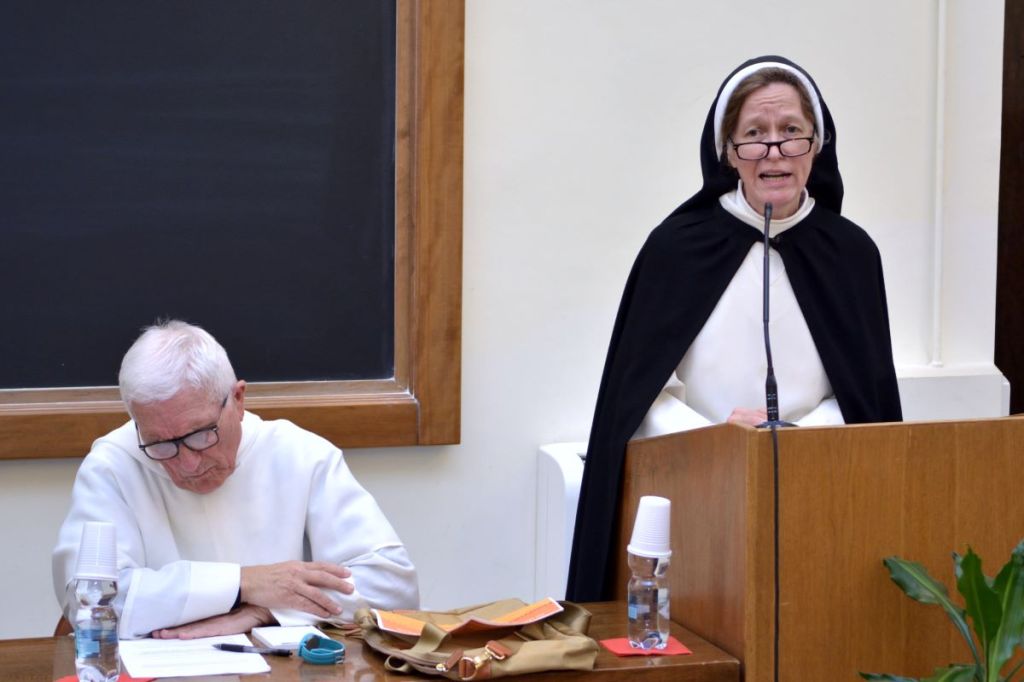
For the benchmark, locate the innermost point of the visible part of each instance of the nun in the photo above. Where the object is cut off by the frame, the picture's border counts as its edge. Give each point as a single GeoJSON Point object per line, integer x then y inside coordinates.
{"type": "Point", "coordinates": [687, 348]}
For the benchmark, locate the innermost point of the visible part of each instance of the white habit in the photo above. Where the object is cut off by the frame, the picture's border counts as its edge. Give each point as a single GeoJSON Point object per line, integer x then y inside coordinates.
{"type": "Point", "coordinates": [291, 497]}
{"type": "Point", "coordinates": [725, 366]}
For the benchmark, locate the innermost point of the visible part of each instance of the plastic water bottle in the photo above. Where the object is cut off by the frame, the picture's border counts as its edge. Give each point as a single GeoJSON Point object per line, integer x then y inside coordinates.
{"type": "Point", "coordinates": [647, 603]}
{"type": "Point", "coordinates": [96, 651]}
{"type": "Point", "coordinates": [647, 597]}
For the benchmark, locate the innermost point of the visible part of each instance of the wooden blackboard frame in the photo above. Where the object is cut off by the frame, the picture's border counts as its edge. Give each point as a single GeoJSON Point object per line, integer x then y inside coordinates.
{"type": "Point", "coordinates": [421, 404]}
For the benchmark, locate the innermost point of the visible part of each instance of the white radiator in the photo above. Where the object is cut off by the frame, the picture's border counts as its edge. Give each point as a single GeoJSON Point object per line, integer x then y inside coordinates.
{"type": "Point", "coordinates": [559, 473]}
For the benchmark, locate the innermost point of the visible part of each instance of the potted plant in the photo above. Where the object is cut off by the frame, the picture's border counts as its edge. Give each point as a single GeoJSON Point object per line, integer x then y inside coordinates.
{"type": "Point", "coordinates": [995, 607]}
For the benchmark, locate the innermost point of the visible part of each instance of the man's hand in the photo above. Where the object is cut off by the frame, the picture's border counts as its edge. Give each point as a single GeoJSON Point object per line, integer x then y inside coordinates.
{"type": "Point", "coordinates": [242, 619]}
{"type": "Point", "coordinates": [750, 417]}
{"type": "Point", "coordinates": [296, 585]}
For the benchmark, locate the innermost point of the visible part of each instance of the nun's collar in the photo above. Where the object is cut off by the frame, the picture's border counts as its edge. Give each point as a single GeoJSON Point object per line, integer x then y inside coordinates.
{"type": "Point", "coordinates": [736, 204]}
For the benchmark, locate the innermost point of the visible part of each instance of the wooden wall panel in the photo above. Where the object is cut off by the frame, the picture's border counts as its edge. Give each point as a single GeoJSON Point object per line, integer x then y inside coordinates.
{"type": "Point", "coordinates": [853, 495]}
{"type": "Point", "coordinates": [848, 497]}
{"type": "Point", "coordinates": [720, 575]}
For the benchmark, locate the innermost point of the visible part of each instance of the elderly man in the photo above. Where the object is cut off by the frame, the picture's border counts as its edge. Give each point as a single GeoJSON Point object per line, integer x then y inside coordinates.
{"type": "Point", "coordinates": [225, 521]}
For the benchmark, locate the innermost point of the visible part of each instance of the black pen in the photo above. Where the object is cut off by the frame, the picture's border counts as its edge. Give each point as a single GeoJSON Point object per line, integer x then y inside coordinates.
{"type": "Point", "coordinates": [243, 649]}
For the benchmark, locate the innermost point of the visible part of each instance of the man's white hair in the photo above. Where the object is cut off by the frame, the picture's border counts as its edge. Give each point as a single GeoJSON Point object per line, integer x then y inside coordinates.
{"type": "Point", "coordinates": [172, 356]}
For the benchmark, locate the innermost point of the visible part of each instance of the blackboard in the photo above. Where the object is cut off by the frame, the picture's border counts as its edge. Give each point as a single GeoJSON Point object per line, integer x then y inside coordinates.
{"type": "Point", "coordinates": [228, 162]}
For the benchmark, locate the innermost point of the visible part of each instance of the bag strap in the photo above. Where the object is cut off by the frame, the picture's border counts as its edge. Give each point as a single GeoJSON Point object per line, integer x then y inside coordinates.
{"type": "Point", "coordinates": [457, 665]}
{"type": "Point", "coordinates": [405, 660]}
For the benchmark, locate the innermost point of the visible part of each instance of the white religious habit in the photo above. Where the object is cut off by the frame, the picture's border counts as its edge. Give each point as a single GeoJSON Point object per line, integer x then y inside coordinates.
{"type": "Point", "coordinates": [725, 366]}
{"type": "Point", "coordinates": [291, 497]}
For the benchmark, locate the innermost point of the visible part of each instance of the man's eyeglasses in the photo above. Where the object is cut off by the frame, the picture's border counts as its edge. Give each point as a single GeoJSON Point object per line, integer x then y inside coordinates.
{"type": "Point", "coordinates": [755, 151]}
{"type": "Point", "coordinates": [197, 441]}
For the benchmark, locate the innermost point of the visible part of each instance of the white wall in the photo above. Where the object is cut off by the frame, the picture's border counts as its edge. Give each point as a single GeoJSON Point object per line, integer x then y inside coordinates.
{"type": "Point", "coordinates": [582, 127]}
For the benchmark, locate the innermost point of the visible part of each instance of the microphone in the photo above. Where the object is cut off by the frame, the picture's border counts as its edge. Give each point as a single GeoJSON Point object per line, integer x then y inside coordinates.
{"type": "Point", "coordinates": [771, 388]}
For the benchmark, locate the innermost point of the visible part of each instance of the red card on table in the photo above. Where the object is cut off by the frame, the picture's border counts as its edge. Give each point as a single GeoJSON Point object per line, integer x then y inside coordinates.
{"type": "Point", "coordinates": [621, 647]}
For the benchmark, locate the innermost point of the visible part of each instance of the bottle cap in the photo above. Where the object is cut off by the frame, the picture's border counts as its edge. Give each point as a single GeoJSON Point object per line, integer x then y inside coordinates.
{"type": "Point", "coordinates": [97, 555]}
{"type": "Point", "coordinates": [651, 529]}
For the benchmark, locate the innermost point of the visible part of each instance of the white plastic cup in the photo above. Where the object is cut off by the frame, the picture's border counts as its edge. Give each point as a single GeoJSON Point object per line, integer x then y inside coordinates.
{"type": "Point", "coordinates": [97, 555]}
{"type": "Point", "coordinates": [651, 529]}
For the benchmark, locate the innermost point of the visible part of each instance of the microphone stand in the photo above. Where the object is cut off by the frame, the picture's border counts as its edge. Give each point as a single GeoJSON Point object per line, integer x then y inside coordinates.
{"type": "Point", "coordinates": [771, 391]}
{"type": "Point", "coordinates": [771, 388]}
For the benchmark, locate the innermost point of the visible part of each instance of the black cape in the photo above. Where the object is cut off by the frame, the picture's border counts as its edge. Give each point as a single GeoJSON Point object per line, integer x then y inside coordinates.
{"type": "Point", "coordinates": [676, 281]}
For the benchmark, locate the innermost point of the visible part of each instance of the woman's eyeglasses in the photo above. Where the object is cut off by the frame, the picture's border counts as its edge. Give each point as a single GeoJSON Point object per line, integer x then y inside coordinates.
{"type": "Point", "coordinates": [755, 151]}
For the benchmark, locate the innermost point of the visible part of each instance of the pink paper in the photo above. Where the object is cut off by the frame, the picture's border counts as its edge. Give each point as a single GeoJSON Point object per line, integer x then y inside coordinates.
{"type": "Point", "coordinates": [620, 647]}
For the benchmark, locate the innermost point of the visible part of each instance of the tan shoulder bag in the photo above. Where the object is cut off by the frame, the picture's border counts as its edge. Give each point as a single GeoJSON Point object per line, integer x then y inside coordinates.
{"type": "Point", "coordinates": [501, 638]}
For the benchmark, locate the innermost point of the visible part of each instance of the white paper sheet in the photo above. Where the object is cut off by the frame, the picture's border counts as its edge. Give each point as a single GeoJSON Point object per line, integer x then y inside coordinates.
{"type": "Point", "coordinates": [283, 637]}
{"type": "Point", "coordinates": [188, 657]}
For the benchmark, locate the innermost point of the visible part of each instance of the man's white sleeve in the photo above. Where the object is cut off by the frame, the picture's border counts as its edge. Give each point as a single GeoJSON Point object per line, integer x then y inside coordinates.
{"type": "Point", "coordinates": [346, 526]}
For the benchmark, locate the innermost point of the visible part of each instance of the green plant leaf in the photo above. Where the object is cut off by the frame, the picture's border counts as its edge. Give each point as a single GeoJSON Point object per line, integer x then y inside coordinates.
{"type": "Point", "coordinates": [958, 571]}
{"type": "Point", "coordinates": [913, 579]}
{"type": "Point", "coordinates": [1009, 587]}
{"type": "Point", "coordinates": [984, 608]}
{"type": "Point", "coordinates": [954, 673]}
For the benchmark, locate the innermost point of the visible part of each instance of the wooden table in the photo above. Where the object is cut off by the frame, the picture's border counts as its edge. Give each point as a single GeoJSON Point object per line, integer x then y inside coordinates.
{"type": "Point", "coordinates": [47, 659]}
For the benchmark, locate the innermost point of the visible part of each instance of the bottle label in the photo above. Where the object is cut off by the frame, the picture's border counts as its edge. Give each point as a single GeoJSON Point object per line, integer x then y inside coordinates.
{"type": "Point", "coordinates": [635, 610]}
{"type": "Point", "coordinates": [86, 646]}
{"type": "Point", "coordinates": [89, 641]}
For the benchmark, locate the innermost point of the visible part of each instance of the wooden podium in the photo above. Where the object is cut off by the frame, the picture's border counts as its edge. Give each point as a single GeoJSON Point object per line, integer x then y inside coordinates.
{"type": "Point", "coordinates": [848, 496]}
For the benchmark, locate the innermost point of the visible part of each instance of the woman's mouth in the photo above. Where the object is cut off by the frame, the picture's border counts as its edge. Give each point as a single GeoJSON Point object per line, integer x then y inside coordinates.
{"type": "Point", "coordinates": [773, 176]}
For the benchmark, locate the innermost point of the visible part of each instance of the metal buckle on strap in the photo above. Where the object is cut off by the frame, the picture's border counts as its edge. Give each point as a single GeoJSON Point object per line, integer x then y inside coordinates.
{"type": "Point", "coordinates": [450, 662]}
{"type": "Point", "coordinates": [470, 667]}
{"type": "Point", "coordinates": [498, 651]}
